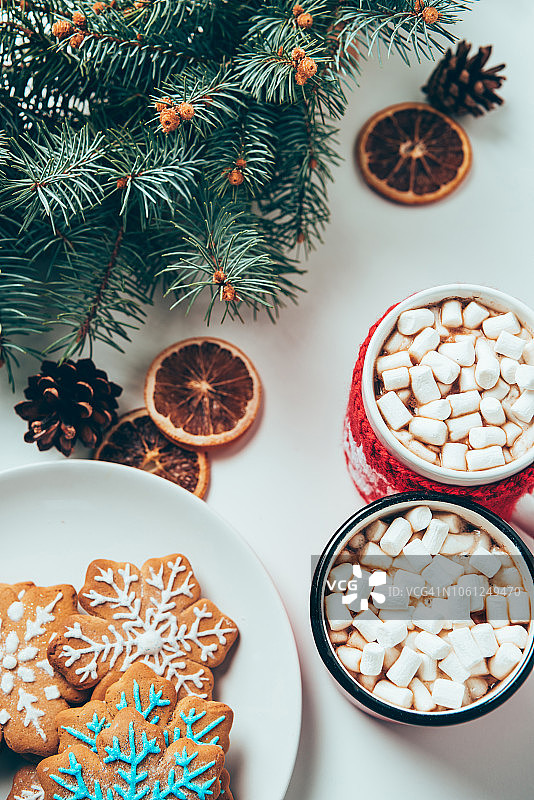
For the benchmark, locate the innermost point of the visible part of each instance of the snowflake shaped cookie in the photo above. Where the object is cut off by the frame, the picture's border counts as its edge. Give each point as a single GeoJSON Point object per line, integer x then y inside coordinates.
{"type": "Point", "coordinates": [132, 761]}
{"type": "Point", "coordinates": [31, 691]}
{"type": "Point", "coordinates": [153, 615]}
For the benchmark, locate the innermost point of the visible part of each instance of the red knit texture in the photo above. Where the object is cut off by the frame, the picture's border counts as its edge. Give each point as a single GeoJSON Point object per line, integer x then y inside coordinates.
{"type": "Point", "coordinates": [392, 476]}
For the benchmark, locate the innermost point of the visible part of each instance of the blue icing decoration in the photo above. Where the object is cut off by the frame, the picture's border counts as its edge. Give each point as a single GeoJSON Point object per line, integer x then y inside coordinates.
{"type": "Point", "coordinates": [200, 736]}
{"type": "Point", "coordinates": [131, 776]}
{"type": "Point", "coordinates": [155, 701]}
{"type": "Point", "coordinates": [95, 726]}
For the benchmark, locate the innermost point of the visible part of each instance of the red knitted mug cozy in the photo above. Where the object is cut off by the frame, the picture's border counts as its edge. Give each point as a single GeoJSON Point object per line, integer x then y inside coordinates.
{"type": "Point", "coordinates": [376, 473]}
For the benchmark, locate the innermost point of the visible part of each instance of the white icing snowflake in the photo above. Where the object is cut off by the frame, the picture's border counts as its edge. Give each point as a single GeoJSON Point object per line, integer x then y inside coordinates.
{"type": "Point", "coordinates": [27, 681]}
{"type": "Point", "coordinates": [35, 792]}
{"type": "Point", "coordinates": [151, 615]}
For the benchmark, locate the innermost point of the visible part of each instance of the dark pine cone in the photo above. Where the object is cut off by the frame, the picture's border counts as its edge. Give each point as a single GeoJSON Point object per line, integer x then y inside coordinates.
{"type": "Point", "coordinates": [66, 402]}
{"type": "Point", "coordinates": [460, 85]}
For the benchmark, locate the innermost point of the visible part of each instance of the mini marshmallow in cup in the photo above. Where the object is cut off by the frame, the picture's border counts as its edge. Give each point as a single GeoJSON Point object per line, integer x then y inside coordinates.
{"type": "Point", "coordinates": [433, 656]}
{"type": "Point", "coordinates": [470, 366]}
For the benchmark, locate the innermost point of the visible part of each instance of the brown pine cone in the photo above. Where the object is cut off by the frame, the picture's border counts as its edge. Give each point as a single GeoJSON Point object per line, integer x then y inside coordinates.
{"type": "Point", "coordinates": [228, 293]}
{"type": "Point", "coordinates": [76, 40]}
{"type": "Point", "coordinates": [219, 276]}
{"type": "Point", "coordinates": [79, 19]}
{"type": "Point", "coordinates": [66, 402]}
{"type": "Point", "coordinates": [307, 67]}
{"type": "Point", "coordinates": [235, 177]}
{"type": "Point", "coordinates": [430, 15]}
{"type": "Point", "coordinates": [305, 21]}
{"type": "Point", "coordinates": [99, 7]}
{"type": "Point", "coordinates": [461, 85]}
{"type": "Point", "coordinates": [62, 28]}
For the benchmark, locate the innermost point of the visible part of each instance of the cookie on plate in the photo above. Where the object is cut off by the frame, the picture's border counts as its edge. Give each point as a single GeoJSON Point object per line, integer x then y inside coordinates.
{"type": "Point", "coordinates": [153, 615]}
{"type": "Point", "coordinates": [27, 786]}
{"type": "Point", "coordinates": [131, 759]}
{"type": "Point", "coordinates": [31, 691]}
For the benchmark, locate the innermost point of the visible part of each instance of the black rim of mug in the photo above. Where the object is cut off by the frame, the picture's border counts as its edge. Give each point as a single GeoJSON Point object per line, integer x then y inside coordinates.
{"type": "Point", "coordinates": [361, 695]}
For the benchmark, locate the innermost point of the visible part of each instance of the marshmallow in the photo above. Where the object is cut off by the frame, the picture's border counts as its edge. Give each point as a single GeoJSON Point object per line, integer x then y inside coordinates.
{"type": "Point", "coordinates": [375, 531]}
{"type": "Point", "coordinates": [417, 555]}
{"type": "Point", "coordinates": [394, 361]}
{"type": "Point", "coordinates": [474, 315]}
{"type": "Point", "coordinates": [393, 599]}
{"type": "Point", "coordinates": [523, 443]}
{"type": "Point", "coordinates": [465, 647]}
{"type": "Point", "coordinates": [368, 681]}
{"type": "Point", "coordinates": [509, 345]}
{"type": "Point", "coordinates": [422, 699]}
{"type": "Point", "coordinates": [367, 624]}
{"type": "Point", "coordinates": [487, 458]}
{"type": "Point", "coordinates": [459, 427]}
{"type": "Point", "coordinates": [445, 369]}
{"type": "Point", "coordinates": [525, 376]}
{"type": "Point", "coordinates": [464, 402]}
{"type": "Point", "coordinates": [508, 576]}
{"type": "Point", "coordinates": [488, 368]}
{"type": "Point", "coordinates": [515, 634]}
{"type": "Point", "coordinates": [454, 523]}
{"type": "Point", "coordinates": [519, 607]}
{"type": "Point", "coordinates": [356, 641]}
{"type": "Point", "coordinates": [405, 667]}
{"type": "Point", "coordinates": [418, 517]}
{"type": "Point", "coordinates": [414, 320]}
{"type": "Point", "coordinates": [397, 342]}
{"type": "Point", "coordinates": [486, 436]}
{"type": "Point", "coordinates": [434, 536]}
{"type": "Point", "coordinates": [484, 636]}
{"type": "Point", "coordinates": [457, 544]}
{"type": "Point", "coordinates": [410, 582]}
{"type": "Point", "coordinates": [473, 588]}
{"type": "Point", "coordinates": [372, 556]}
{"type": "Point", "coordinates": [451, 314]}
{"type": "Point", "coordinates": [427, 340]}
{"type": "Point", "coordinates": [338, 637]}
{"type": "Point", "coordinates": [434, 646]}
{"type": "Point", "coordinates": [528, 353]}
{"type": "Point", "coordinates": [492, 411]}
{"type": "Point", "coordinates": [372, 659]}
{"type": "Point", "coordinates": [453, 667]}
{"type": "Point", "coordinates": [428, 671]}
{"type": "Point", "coordinates": [467, 379]}
{"type": "Point", "coordinates": [437, 574]}
{"type": "Point", "coordinates": [430, 431]}
{"type": "Point", "coordinates": [356, 542]}
{"type": "Point", "coordinates": [481, 668]}
{"type": "Point", "coordinates": [499, 391]}
{"type": "Point", "coordinates": [493, 326]}
{"type": "Point", "coordinates": [523, 408]}
{"type": "Point", "coordinates": [453, 456]}
{"type": "Point", "coordinates": [449, 694]}
{"type": "Point", "coordinates": [421, 451]}
{"type": "Point", "coordinates": [505, 659]}
{"type": "Point", "coordinates": [398, 378]}
{"type": "Point", "coordinates": [436, 409]}
{"type": "Point", "coordinates": [497, 610]}
{"type": "Point", "coordinates": [463, 352]}
{"type": "Point", "coordinates": [458, 610]}
{"type": "Point", "coordinates": [393, 410]}
{"type": "Point", "coordinates": [397, 535]}
{"type": "Point", "coordinates": [424, 386]}
{"type": "Point", "coordinates": [390, 656]}
{"type": "Point", "coordinates": [338, 615]}
{"type": "Point", "coordinates": [485, 562]}
{"type": "Point", "coordinates": [350, 657]}
{"type": "Point", "coordinates": [392, 632]}
{"type": "Point", "coordinates": [508, 369]}
{"type": "Point", "coordinates": [426, 619]}
{"type": "Point", "coordinates": [343, 572]}
{"type": "Point", "coordinates": [512, 431]}
{"type": "Point", "coordinates": [394, 695]}
{"type": "Point", "coordinates": [477, 688]}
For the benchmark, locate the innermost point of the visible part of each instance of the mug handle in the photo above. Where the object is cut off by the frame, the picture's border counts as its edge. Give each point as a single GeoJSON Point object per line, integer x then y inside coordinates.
{"type": "Point", "coordinates": [523, 516]}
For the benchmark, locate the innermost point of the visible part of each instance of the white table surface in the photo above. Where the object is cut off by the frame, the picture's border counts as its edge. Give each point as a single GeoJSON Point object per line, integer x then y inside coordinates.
{"type": "Point", "coordinates": [286, 489]}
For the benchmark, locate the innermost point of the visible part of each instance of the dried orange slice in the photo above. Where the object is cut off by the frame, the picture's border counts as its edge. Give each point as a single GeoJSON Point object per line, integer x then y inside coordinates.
{"type": "Point", "coordinates": [413, 154]}
{"type": "Point", "coordinates": [137, 442]}
{"type": "Point", "coordinates": [202, 392]}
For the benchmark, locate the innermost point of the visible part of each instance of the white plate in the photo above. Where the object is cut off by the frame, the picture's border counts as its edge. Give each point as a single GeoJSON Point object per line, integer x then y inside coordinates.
{"type": "Point", "coordinates": [57, 517]}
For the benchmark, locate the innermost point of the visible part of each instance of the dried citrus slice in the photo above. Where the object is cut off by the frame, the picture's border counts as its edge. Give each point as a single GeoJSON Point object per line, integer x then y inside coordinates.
{"type": "Point", "coordinates": [202, 392]}
{"type": "Point", "coordinates": [137, 442]}
{"type": "Point", "coordinates": [413, 154]}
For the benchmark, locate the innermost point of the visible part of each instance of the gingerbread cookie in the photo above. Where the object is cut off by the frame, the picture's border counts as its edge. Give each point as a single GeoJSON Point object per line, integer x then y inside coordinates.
{"type": "Point", "coordinates": [27, 786]}
{"type": "Point", "coordinates": [201, 721]}
{"type": "Point", "coordinates": [152, 615]}
{"type": "Point", "coordinates": [132, 761]}
{"type": "Point", "coordinates": [31, 691]}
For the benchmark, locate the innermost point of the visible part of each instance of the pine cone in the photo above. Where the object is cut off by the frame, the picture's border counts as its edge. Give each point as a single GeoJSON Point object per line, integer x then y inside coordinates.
{"type": "Point", "coordinates": [460, 85]}
{"type": "Point", "coordinates": [66, 402]}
